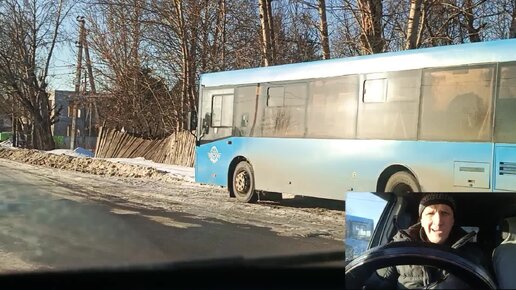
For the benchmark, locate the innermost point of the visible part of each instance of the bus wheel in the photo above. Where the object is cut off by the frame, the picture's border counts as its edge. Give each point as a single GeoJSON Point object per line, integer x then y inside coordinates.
{"type": "Point", "coordinates": [243, 183]}
{"type": "Point", "coordinates": [402, 181]}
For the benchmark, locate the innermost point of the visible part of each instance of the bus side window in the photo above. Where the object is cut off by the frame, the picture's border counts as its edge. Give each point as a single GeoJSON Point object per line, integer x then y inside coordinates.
{"type": "Point", "coordinates": [216, 110]}
{"type": "Point", "coordinates": [375, 91]}
{"type": "Point", "coordinates": [506, 105]}
{"type": "Point", "coordinates": [332, 107]}
{"type": "Point", "coordinates": [284, 114]}
{"type": "Point", "coordinates": [246, 110]}
{"type": "Point", "coordinates": [389, 107]}
{"type": "Point", "coordinates": [457, 104]}
{"type": "Point", "coordinates": [222, 111]}
{"type": "Point", "coordinates": [276, 97]}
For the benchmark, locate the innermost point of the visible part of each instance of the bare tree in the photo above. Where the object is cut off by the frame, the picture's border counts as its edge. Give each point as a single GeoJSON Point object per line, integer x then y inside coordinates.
{"type": "Point", "coordinates": [267, 31]}
{"type": "Point", "coordinates": [169, 43]}
{"type": "Point", "coordinates": [180, 25]}
{"type": "Point", "coordinates": [512, 29]}
{"type": "Point", "coordinates": [139, 101]}
{"type": "Point", "coordinates": [324, 29]}
{"type": "Point", "coordinates": [218, 47]}
{"type": "Point", "coordinates": [371, 12]}
{"type": "Point", "coordinates": [30, 30]}
{"type": "Point", "coordinates": [469, 19]}
{"type": "Point", "coordinates": [414, 24]}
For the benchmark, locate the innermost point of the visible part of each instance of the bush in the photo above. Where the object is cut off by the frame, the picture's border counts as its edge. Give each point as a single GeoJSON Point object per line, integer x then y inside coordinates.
{"type": "Point", "coordinates": [5, 136]}
{"type": "Point", "coordinates": [59, 141]}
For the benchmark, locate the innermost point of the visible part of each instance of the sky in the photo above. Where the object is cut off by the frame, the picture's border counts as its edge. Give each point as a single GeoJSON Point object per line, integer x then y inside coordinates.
{"type": "Point", "coordinates": [64, 59]}
{"type": "Point", "coordinates": [364, 204]}
{"type": "Point", "coordinates": [62, 69]}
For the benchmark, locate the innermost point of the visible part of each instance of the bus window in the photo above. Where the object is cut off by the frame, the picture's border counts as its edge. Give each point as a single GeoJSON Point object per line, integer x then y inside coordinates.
{"type": "Point", "coordinates": [456, 104]}
{"type": "Point", "coordinates": [375, 91]}
{"type": "Point", "coordinates": [222, 111]}
{"type": "Point", "coordinates": [216, 113]}
{"type": "Point", "coordinates": [246, 102]}
{"type": "Point", "coordinates": [389, 107]}
{"type": "Point", "coordinates": [284, 113]}
{"type": "Point", "coordinates": [506, 106]}
{"type": "Point", "coordinates": [276, 97]}
{"type": "Point", "coordinates": [332, 108]}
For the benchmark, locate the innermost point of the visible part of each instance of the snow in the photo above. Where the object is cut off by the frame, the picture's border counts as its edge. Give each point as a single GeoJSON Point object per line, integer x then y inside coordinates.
{"type": "Point", "coordinates": [180, 172]}
{"type": "Point", "coordinates": [85, 152]}
{"type": "Point", "coordinates": [78, 152]}
{"type": "Point", "coordinates": [176, 171]}
{"type": "Point", "coordinates": [6, 144]}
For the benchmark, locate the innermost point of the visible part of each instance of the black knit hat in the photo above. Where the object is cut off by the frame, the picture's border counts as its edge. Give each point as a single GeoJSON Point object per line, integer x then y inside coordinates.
{"type": "Point", "coordinates": [436, 198]}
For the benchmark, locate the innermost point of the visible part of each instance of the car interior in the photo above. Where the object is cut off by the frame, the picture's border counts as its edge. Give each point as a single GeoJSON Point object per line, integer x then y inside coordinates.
{"type": "Point", "coordinates": [492, 215]}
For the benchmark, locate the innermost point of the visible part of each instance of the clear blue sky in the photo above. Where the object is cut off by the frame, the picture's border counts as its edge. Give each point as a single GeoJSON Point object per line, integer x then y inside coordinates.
{"type": "Point", "coordinates": [364, 204]}
{"type": "Point", "coordinates": [64, 59]}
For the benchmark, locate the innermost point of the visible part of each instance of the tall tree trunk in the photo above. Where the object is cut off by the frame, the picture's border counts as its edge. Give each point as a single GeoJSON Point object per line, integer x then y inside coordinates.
{"type": "Point", "coordinates": [217, 49]}
{"type": "Point", "coordinates": [221, 29]}
{"type": "Point", "coordinates": [324, 30]}
{"type": "Point", "coordinates": [372, 40]}
{"type": "Point", "coordinates": [265, 26]}
{"type": "Point", "coordinates": [208, 52]}
{"type": "Point", "coordinates": [192, 62]}
{"type": "Point", "coordinates": [272, 40]}
{"type": "Point", "coordinates": [414, 24]}
{"type": "Point", "coordinates": [512, 30]}
{"type": "Point", "coordinates": [42, 134]}
{"type": "Point", "coordinates": [185, 57]}
{"type": "Point", "coordinates": [473, 33]}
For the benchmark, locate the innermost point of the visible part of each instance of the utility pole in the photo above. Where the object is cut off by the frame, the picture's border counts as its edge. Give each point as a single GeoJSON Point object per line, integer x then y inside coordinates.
{"type": "Point", "coordinates": [93, 90]}
{"type": "Point", "coordinates": [74, 101]}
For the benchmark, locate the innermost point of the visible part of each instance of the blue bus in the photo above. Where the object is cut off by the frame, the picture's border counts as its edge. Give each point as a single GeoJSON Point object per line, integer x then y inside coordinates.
{"type": "Point", "coordinates": [431, 119]}
{"type": "Point", "coordinates": [359, 231]}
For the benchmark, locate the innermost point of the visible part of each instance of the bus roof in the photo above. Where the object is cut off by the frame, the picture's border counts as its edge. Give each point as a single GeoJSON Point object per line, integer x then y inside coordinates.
{"type": "Point", "coordinates": [358, 218]}
{"type": "Point", "coordinates": [442, 56]}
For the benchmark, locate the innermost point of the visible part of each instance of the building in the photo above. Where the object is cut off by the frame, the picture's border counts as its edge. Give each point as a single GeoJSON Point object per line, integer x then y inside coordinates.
{"type": "Point", "coordinates": [5, 123]}
{"type": "Point", "coordinates": [86, 135]}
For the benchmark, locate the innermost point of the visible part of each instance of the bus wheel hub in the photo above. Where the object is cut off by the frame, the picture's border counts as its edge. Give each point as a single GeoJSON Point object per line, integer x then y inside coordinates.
{"type": "Point", "coordinates": [242, 182]}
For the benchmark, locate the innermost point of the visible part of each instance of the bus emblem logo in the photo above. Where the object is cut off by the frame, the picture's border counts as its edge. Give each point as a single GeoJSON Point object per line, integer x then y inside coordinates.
{"type": "Point", "coordinates": [214, 154]}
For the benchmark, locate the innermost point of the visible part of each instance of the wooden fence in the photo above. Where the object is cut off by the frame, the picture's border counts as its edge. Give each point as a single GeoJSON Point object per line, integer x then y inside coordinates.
{"type": "Point", "coordinates": [177, 149]}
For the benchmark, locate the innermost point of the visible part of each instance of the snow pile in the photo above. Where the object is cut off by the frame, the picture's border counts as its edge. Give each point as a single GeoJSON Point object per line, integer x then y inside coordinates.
{"type": "Point", "coordinates": [60, 159]}
{"type": "Point", "coordinates": [83, 152]}
{"type": "Point", "coordinates": [175, 171]}
{"type": "Point", "coordinates": [78, 152]}
{"type": "Point", "coordinates": [6, 143]}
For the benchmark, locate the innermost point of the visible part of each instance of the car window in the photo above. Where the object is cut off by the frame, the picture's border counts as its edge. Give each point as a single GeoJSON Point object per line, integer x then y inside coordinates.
{"type": "Point", "coordinates": [471, 229]}
{"type": "Point", "coordinates": [363, 210]}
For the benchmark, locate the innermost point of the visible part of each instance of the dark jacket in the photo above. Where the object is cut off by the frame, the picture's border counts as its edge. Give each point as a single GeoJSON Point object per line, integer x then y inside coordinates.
{"type": "Point", "coordinates": [416, 276]}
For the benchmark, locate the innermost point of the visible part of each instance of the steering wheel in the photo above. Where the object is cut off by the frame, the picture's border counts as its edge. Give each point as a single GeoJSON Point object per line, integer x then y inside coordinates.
{"type": "Point", "coordinates": [416, 253]}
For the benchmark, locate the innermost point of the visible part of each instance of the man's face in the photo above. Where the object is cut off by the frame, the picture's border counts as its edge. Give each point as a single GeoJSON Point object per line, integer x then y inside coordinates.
{"type": "Point", "coordinates": [437, 220]}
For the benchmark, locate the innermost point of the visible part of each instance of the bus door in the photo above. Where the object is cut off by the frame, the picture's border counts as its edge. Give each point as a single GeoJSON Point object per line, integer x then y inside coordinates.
{"type": "Point", "coordinates": [216, 125]}
{"type": "Point", "coordinates": [505, 129]}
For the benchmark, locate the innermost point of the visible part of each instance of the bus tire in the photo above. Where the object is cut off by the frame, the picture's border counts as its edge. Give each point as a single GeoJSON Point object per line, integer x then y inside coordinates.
{"type": "Point", "coordinates": [243, 183]}
{"type": "Point", "coordinates": [402, 181]}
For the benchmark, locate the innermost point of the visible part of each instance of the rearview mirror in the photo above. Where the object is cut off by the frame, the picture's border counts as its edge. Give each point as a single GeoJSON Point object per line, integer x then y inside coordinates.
{"type": "Point", "coordinates": [192, 121]}
{"type": "Point", "coordinates": [206, 122]}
